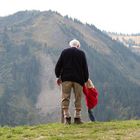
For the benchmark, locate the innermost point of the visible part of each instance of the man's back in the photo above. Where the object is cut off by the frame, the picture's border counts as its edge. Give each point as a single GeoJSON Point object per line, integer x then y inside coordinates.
{"type": "Point", "coordinates": [73, 65]}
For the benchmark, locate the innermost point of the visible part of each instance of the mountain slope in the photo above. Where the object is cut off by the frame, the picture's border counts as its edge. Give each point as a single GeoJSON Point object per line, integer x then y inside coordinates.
{"type": "Point", "coordinates": [30, 44]}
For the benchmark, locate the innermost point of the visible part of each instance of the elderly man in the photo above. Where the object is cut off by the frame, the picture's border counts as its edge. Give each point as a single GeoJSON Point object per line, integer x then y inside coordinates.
{"type": "Point", "coordinates": [72, 70]}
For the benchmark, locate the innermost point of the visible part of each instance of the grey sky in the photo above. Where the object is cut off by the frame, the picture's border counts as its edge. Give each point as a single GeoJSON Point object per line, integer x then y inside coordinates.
{"type": "Point", "coordinates": [110, 15]}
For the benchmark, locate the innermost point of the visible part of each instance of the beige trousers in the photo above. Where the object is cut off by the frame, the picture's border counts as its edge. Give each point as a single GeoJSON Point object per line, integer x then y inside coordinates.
{"type": "Point", "coordinates": [67, 86]}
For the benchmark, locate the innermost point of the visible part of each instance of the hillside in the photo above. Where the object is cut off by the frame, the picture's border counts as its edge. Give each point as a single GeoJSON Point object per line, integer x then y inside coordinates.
{"type": "Point", "coordinates": [122, 130]}
{"type": "Point", "coordinates": [30, 44]}
{"type": "Point", "coordinates": [130, 41]}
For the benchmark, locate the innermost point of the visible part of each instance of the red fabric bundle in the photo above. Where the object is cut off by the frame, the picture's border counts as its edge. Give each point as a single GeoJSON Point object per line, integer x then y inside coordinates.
{"type": "Point", "coordinates": [91, 96]}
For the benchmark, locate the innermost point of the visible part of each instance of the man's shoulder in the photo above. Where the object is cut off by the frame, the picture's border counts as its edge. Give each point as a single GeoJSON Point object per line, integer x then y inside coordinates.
{"type": "Point", "coordinates": [66, 49]}
{"type": "Point", "coordinates": [72, 49]}
{"type": "Point", "coordinates": [82, 52]}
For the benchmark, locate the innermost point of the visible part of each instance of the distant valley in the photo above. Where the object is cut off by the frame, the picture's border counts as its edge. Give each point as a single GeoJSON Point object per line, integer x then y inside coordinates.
{"type": "Point", "coordinates": [130, 41]}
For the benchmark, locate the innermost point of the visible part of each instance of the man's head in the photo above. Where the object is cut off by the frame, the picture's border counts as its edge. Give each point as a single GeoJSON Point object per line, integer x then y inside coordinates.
{"type": "Point", "coordinates": [74, 43]}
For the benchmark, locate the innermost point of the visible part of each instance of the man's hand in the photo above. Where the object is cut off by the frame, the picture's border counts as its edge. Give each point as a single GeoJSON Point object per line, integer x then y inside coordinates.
{"type": "Point", "coordinates": [58, 81]}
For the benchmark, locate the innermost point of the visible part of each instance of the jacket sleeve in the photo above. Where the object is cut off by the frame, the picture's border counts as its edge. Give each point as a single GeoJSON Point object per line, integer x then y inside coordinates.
{"type": "Point", "coordinates": [58, 67]}
{"type": "Point", "coordinates": [85, 68]}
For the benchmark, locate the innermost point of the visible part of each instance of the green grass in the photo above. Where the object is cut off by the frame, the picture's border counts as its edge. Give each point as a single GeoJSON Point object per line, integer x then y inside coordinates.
{"type": "Point", "coordinates": [115, 130]}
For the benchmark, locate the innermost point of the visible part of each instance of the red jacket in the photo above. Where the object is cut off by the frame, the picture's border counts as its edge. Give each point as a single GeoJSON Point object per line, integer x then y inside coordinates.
{"type": "Point", "coordinates": [91, 96]}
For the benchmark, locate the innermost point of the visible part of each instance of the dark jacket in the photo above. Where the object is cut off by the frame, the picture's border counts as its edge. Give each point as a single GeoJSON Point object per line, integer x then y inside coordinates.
{"type": "Point", "coordinates": [72, 66]}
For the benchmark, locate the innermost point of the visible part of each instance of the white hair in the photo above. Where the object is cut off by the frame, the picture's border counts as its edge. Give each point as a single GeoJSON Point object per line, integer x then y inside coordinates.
{"type": "Point", "coordinates": [74, 43]}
